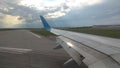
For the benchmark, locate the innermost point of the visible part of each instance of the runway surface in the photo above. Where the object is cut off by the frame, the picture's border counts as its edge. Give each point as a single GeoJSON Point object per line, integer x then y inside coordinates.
{"type": "Point", "coordinates": [24, 49]}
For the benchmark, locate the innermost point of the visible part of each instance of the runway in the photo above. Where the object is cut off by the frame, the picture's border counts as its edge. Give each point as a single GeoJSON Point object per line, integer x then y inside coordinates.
{"type": "Point", "coordinates": [24, 49]}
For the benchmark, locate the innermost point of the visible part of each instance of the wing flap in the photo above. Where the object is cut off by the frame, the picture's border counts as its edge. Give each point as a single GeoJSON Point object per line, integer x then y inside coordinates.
{"type": "Point", "coordinates": [73, 53]}
{"type": "Point", "coordinates": [91, 57]}
{"type": "Point", "coordinates": [105, 45]}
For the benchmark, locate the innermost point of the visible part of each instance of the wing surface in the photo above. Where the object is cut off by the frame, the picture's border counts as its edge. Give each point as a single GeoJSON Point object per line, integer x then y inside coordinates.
{"type": "Point", "coordinates": [95, 51]}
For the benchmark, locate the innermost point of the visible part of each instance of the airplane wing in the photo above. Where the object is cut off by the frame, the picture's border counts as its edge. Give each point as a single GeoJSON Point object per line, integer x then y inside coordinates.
{"type": "Point", "coordinates": [95, 51]}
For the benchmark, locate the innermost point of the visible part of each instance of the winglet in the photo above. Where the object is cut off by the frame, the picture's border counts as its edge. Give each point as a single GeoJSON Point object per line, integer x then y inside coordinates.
{"type": "Point", "coordinates": [45, 24]}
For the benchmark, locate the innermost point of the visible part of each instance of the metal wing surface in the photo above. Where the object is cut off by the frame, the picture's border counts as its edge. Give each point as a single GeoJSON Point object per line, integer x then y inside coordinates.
{"type": "Point", "coordinates": [95, 51]}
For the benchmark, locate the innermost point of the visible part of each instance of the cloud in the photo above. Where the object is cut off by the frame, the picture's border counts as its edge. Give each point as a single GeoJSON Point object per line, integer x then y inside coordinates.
{"type": "Point", "coordinates": [104, 13]}
{"type": "Point", "coordinates": [29, 15]}
{"type": "Point", "coordinates": [59, 13]}
{"type": "Point", "coordinates": [9, 21]}
{"type": "Point", "coordinates": [65, 5]}
{"type": "Point", "coordinates": [55, 14]}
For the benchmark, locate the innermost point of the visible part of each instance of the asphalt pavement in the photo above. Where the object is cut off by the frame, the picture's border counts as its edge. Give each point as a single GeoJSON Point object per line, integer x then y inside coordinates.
{"type": "Point", "coordinates": [24, 49]}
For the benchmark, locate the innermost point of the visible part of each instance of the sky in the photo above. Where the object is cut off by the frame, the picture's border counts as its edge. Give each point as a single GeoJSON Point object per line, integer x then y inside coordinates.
{"type": "Point", "coordinates": [58, 13]}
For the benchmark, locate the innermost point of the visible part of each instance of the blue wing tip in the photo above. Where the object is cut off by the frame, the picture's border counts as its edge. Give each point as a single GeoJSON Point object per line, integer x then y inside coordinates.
{"type": "Point", "coordinates": [45, 24]}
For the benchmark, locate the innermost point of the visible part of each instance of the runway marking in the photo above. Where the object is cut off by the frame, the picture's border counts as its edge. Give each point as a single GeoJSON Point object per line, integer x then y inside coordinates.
{"type": "Point", "coordinates": [14, 50]}
{"type": "Point", "coordinates": [38, 36]}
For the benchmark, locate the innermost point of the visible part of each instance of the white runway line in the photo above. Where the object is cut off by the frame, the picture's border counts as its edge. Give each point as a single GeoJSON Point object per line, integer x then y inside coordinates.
{"type": "Point", "coordinates": [38, 36]}
{"type": "Point", "coordinates": [14, 50]}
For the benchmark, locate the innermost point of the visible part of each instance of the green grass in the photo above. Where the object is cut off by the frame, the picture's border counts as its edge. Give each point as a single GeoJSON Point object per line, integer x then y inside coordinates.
{"type": "Point", "coordinates": [5, 29]}
{"type": "Point", "coordinates": [114, 33]}
{"type": "Point", "coordinates": [42, 32]}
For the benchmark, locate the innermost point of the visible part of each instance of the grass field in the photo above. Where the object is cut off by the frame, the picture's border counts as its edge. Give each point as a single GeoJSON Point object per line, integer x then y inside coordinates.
{"type": "Point", "coordinates": [114, 33]}
{"type": "Point", "coordinates": [6, 29]}
{"type": "Point", "coordinates": [42, 32]}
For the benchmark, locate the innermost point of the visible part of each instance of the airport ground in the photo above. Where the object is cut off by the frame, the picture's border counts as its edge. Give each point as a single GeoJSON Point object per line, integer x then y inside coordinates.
{"type": "Point", "coordinates": [24, 49]}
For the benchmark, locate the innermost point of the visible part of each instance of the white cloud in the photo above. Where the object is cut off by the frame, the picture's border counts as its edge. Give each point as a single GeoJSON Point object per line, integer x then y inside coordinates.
{"type": "Point", "coordinates": [55, 14]}
{"type": "Point", "coordinates": [10, 21]}
{"type": "Point", "coordinates": [73, 12]}
{"type": "Point", "coordinates": [50, 5]}
{"type": "Point", "coordinates": [41, 4]}
{"type": "Point", "coordinates": [81, 3]}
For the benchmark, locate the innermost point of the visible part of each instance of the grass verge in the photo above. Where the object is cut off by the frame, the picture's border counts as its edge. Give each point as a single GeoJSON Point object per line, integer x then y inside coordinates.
{"type": "Point", "coordinates": [42, 32]}
{"type": "Point", "coordinates": [114, 33]}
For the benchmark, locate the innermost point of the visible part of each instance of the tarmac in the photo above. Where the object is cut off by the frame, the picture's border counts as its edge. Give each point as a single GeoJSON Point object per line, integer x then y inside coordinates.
{"type": "Point", "coordinates": [24, 49]}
